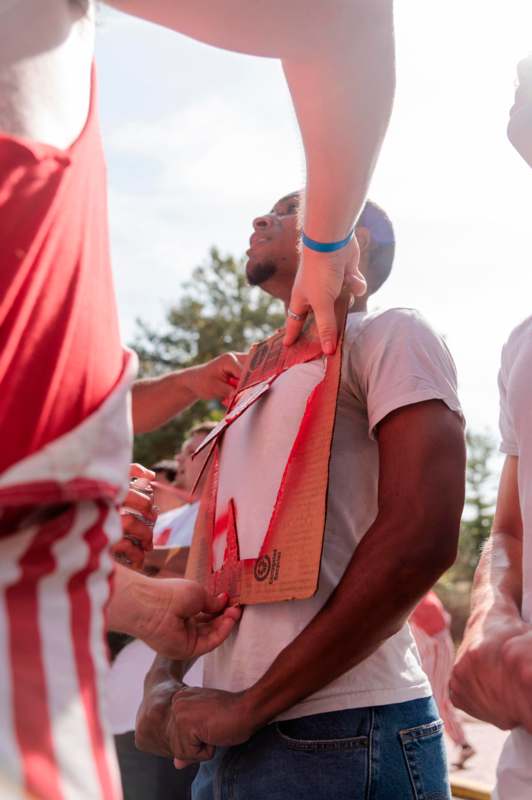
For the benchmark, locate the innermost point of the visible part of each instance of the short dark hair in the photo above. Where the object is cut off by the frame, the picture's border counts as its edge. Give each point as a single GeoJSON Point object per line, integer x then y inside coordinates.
{"type": "Point", "coordinates": [169, 474]}
{"type": "Point", "coordinates": [202, 427]}
{"type": "Point", "coordinates": [382, 244]}
{"type": "Point", "coordinates": [167, 467]}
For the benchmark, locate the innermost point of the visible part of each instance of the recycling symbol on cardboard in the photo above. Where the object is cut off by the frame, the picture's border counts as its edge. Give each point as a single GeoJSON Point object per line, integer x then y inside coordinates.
{"type": "Point", "coordinates": [262, 568]}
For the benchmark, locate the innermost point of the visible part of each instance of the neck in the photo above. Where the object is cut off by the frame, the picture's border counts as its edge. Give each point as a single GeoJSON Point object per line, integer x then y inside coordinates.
{"type": "Point", "coordinates": [360, 304]}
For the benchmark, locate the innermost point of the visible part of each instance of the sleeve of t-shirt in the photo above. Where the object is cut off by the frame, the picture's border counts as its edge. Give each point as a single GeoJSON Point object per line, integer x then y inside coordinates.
{"type": "Point", "coordinates": [509, 444]}
{"type": "Point", "coordinates": [396, 360]}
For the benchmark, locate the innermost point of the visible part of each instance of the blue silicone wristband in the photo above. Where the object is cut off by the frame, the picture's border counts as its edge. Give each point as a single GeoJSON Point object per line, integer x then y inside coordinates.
{"type": "Point", "coordinates": [326, 247]}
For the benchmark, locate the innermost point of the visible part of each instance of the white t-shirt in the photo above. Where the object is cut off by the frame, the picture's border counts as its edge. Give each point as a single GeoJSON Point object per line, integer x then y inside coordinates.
{"type": "Point", "coordinates": [391, 359]}
{"type": "Point", "coordinates": [175, 528]}
{"type": "Point", "coordinates": [514, 772]}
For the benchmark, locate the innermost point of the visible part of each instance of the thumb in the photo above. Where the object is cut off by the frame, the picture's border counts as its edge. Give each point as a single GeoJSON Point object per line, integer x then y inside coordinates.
{"type": "Point", "coordinates": [356, 284]}
{"type": "Point", "coordinates": [180, 764]}
{"type": "Point", "coordinates": [214, 604]}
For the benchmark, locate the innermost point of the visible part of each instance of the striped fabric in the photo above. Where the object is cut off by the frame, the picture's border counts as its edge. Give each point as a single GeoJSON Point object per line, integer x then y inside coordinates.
{"type": "Point", "coordinates": [54, 585]}
{"type": "Point", "coordinates": [57, 519]}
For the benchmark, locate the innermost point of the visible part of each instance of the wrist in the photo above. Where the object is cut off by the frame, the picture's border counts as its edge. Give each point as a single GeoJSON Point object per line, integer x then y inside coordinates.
{"type": "Point", "coordinates": [492, 617]}
{"type": "Point", "coordinates": [326, 247]}
{"type": "Point", "coordinates": [324, 222]}
{"type": "Point", "coordinates": [183, 382]}
{"type": "Point", "coordinates": [153, 716]}
{"type": "Point", "coordinates": [261, 705]}
{"type": "Point", "coordinates": [132, 603]}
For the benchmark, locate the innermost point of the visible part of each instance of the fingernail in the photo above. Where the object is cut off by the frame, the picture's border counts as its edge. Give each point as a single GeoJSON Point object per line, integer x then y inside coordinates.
{"type": "Point", "coordinates": [328, 348]}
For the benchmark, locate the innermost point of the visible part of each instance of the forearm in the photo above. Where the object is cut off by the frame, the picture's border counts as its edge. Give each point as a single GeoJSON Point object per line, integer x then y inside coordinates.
{"type": "Point", "coordinates": [498, 582]}
{"type": "Point", "coordinates": [343, 98]}
{"type": "Point", "coordinates": [338, 58]}
{"type": "Point", "coordinates": [132, 602]}
{"type": "Point", "coordinates": [162, 680]}
{"type": "Point", "coordinates": [157, 400]}
{"type": "Point", "coordinates": [497, 586]}
{"type": "Point", "coordinates": [377, 593]}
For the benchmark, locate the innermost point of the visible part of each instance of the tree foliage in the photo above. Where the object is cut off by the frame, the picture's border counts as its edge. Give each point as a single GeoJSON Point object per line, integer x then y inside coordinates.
{"type": "Point", "coordinates": [454, 587]}
{"type": "Point", "coordinates": [480, 501]}
{"type": "Point", "coordinates": [217, 311]}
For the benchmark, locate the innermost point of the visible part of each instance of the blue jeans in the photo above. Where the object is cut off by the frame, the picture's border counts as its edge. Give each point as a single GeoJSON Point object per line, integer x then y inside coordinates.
{"type": "Point", "coordinates": [392, 752]}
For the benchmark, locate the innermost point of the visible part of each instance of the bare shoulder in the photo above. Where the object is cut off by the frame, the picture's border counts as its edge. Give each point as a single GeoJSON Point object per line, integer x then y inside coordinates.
{"type": "Point", "coordinates": [46, 49]}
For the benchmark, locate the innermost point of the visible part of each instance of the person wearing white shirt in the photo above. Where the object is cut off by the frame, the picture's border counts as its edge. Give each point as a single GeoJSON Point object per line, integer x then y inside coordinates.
{"type": "Point", "coordinates": [326, 697]}
{"type": "Point", "coordinates": [492, 678]}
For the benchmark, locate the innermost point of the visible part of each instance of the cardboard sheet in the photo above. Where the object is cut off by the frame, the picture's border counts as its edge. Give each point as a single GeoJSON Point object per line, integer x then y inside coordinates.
{"type": "Point", "coordinates": [259, 533]}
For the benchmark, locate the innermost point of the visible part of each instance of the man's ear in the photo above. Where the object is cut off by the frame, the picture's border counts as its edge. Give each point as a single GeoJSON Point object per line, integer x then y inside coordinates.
{"type": "Point", "coordinates": [364, 238]}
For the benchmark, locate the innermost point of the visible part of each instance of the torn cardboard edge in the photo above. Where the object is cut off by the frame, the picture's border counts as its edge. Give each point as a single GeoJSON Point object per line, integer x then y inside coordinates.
{"type": "Point", "coordinates": [288, 565]}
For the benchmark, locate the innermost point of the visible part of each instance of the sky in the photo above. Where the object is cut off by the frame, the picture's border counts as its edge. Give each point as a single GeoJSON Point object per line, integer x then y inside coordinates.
{"type": "Point", "coordinates": [199, 141]}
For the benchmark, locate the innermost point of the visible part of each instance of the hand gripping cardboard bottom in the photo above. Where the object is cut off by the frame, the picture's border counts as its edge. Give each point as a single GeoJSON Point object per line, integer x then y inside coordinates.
{"type": "Point", "coordinates": [288, 565]}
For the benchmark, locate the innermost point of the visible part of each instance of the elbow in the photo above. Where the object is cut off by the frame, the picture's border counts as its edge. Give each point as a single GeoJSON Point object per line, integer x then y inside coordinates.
{"type": "Point", "coordinates": [439, 549]}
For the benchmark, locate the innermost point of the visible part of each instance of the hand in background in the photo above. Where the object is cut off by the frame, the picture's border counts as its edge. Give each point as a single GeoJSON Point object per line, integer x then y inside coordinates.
{"type": "Point", "coordinates": [492, 677]}
{"type": "Point", "coordinates": [138, 516]}
{"type": "Point", "coordinates": [217, 378]}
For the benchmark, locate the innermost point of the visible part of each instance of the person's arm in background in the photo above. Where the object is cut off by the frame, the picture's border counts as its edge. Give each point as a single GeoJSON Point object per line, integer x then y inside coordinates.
{"type": "Point", "coordinates": [175, 617]}
{"type": "Point", "coordinates": [338, 58]}
{"type": "Point", "coordinates": [492, 678]}
{"type": "Point", "coordinates": [157, 400]}
{"type": "Point", "coordinates": [412, 541]}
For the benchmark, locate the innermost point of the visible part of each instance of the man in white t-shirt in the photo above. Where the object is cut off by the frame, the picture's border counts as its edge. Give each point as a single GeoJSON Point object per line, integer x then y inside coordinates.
{"type": "Point", "coordinates": [325, 698]}
{"type": "Point", "coordinates": [492, 678]}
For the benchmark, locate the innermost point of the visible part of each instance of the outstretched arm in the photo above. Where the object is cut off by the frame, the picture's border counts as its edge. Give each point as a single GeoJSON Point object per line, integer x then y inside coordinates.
{"type": "Point", "coordinates": [157, 400]}
{"type": "Point", "coordinates": [338, 58]}
{"type": "Point", "coordinates": [492, 678]}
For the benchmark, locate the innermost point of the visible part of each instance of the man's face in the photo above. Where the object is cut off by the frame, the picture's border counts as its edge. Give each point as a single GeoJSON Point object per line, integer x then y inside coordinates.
{"type": "Point", "coordinates": [273, 251]}
{"type": "Point", "coordinates": [520, 124]}
{"type": "Point", "coordinates": [188, 468]}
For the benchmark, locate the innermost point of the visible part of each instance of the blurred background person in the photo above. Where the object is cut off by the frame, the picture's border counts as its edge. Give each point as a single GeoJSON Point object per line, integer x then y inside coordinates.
{"type": "Point", "coordinates": [175, 527]}
{"type": "Point", "coordinates": [167, 494]}
{"type": "Point", "coordinates": [492, 678]}
{"type": "Point", "coordinates": [431, 625]}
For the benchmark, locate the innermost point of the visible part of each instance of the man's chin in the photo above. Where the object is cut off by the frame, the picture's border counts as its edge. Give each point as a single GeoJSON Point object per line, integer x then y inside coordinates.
{"type": "Point", "coordinates": [258, 272]}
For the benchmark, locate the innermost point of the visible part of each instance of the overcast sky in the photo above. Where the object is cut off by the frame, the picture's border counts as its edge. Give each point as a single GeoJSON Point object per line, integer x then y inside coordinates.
{"type": "Point", "coordinates": [200, 141]}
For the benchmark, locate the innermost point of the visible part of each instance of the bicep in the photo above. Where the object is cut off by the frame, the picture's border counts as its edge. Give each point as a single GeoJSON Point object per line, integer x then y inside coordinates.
{"type": "Point", "coordinates": [422, 462]}
{"type": "Point", "coordinates": [507, 519]}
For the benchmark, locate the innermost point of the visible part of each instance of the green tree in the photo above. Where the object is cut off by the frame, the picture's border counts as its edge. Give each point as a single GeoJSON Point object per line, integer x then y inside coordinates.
{"type": "Point", "coordinates": [480, 501]}
{"type": "Point", "coordinates": [217, 311]}
{"type": "Point", "coordinates": [454, 587]}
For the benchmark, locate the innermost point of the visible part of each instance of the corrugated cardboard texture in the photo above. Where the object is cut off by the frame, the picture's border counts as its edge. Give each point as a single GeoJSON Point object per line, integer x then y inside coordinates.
{"type": "Point", "coordinates": [289, 561]}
